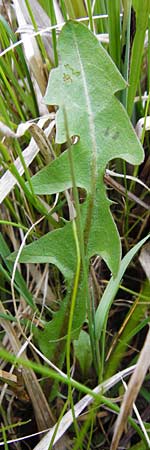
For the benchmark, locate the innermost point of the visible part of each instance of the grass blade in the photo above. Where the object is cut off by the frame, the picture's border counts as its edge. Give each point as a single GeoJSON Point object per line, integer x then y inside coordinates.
{"type": "Point", "coordinates": [112, 288]}
{"type": "Point", "coordinates": [142, 15]}
{"type": "Point", "coordinates": [114, 30]}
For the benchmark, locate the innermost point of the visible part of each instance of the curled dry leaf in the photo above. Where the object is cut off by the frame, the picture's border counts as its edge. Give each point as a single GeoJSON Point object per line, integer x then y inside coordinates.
{"type": "Point", "coordinates": [7, 181]}
{"type": "Point", "coordinates": [144, 259]}
{"type": "Point", "coordinates": [141, 124]}
{"type": "Point", "coordinates": [7, 377]}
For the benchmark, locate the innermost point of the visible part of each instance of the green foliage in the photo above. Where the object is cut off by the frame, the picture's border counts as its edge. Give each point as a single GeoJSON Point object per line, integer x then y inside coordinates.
{"type": "Point", "coordinates": [84, 84]}
{"type": "Point", "coordinates": [103, 309]}
{"type": "Point", "coordinates": [142, 15]}
{"type": "Point", "coordinates": [139, 446]}
{"type": "Point", "coordinates": [112, 288]}
{"type": "Point", "coordinates": [18, 91]}
{"type": "Point", "coordinates": [84, 90]}
{"type": "Point", "coordinates": [133, 324]}
{"type": "Point", "coordinates": [75, 8]}
{"type": "Point", "coordinates": [50, 249]}
{"type": "Point", "coordinates": [82, 348]}
{"type": "Point", "coordinates": [114, 30]}
{"type": "Point", "coordinates": [6, 272]}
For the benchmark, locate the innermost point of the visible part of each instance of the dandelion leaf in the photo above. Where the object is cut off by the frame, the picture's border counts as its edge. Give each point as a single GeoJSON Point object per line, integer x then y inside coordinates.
{"type": "Point", "coordinates": [85, 83]}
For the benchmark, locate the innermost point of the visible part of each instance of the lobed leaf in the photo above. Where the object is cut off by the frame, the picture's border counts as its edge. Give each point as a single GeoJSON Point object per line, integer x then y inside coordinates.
{"type": "Point", "coordinates": [85, 83]}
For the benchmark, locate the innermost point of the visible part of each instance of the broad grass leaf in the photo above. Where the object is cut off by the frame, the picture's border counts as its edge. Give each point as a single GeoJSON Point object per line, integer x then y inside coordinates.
{"type": "Point", "coordinates": [132, 324]}
{"type": "Point", "coordinates": [112, 288]}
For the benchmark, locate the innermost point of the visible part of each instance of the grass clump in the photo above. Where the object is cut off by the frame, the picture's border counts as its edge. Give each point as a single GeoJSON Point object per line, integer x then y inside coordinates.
{"type": "Point", "coordinates": [74, 306]}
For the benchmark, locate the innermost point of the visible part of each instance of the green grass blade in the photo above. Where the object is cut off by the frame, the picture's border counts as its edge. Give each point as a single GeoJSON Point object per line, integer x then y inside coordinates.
{"type": "Point", "coordinates": [90, 14]}
{"type": "Point", "coordinates": [13, 224]}
{"type": "Point", "coordinates": [114, 30]}
{"type": "Point", "coordinates": [11, 93]}
{"type": "Point", "coordinates": [21, 93]}
{"type": "Point", "coordinates": [5, 438]}
{"type": "Point", "coordinates": [149, 53]}
{"type": "Point", "coordinates": [22, 63]}
{"type": "Point", "coordinates": [75, 8]}
{"type": "Point", "coordinates": [112, 288]}
{"type": "Point", "coordinates": [142, 14]}
{"type": "Point", "coordinates": [63, 9]}
{"type": "Point", "coordinates": [20, 283]}
{"type": "Point", "coordinates": [47, 372]}
{"type": "Point", "coordinates": [100, 9]}
{"type": "Point", "coordinates": [126, 50]}
{"type": "Point", "coordinates": [4, 112]}
{"type": "Point", "coordinates": [133, 318]}
{"type": "Point", "coordinates": [39, 39]}
{"type": "Point", "coordinates": [53, 22]}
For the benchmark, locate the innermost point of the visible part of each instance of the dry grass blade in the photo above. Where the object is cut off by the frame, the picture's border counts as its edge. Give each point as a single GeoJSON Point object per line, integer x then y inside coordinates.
{"type": "Point", "coordinates": [139, 419]}
{"type": "Point", "coordinates": [132, 392]}
{"type": "Point", "coordinates": [41, 408]}
{"type": "Point", "coordinates": [39, 137]}
{"type": "Point", "coordinates": [140, 124]}
{"type": "Point", "coordinates": [31, 49]}
{"type": "Point", "coordinates": [108, 180]}
{"type": "Point", "coordinates": [46, 30]}
{"type": "Point", "coordinates": [144, 259]}
{"type": "Point", "coordinates": [78, 408]}
{"type": "Point", "coordinates": [7, 377]}
{"type": "Point", "coordinates": [7, 181]}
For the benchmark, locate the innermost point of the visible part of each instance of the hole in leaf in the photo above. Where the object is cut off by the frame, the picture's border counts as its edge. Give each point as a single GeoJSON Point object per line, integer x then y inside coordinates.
{"type": "Point", "coordinates": [75, 139]}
